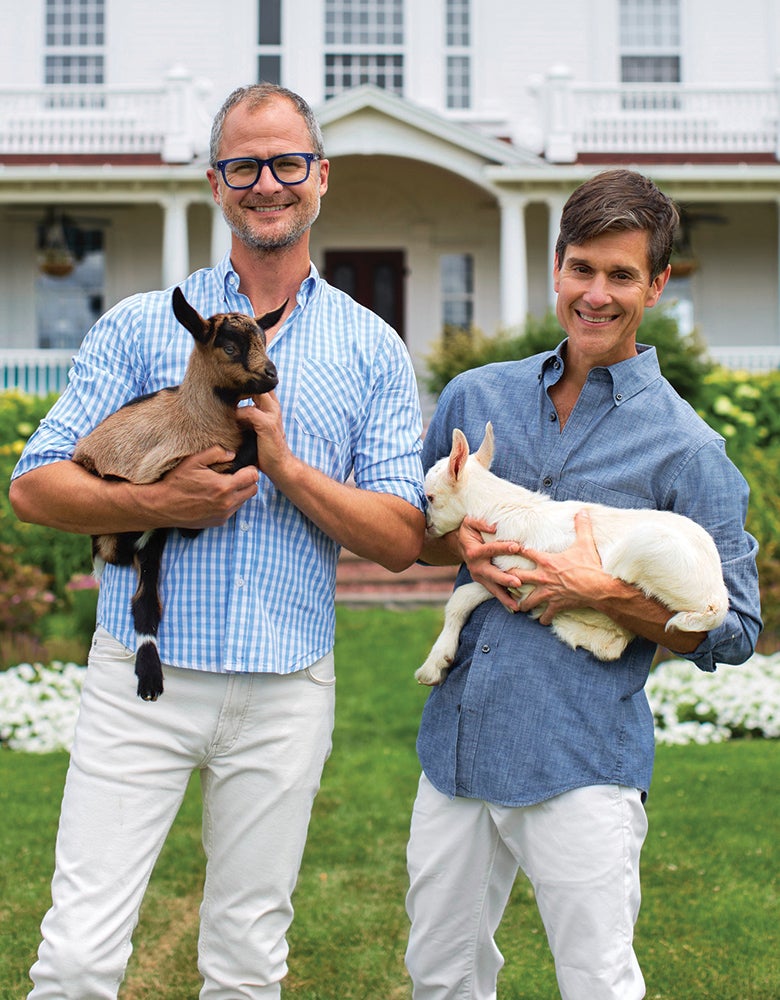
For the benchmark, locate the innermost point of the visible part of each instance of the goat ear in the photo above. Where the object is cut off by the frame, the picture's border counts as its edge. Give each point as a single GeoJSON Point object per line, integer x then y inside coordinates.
{"type": "Point", "coordinates": [484, 455]}
{"type": "Point", "coordinates": [272, 318]}
{"type": "Point", "coordinates": [189, 317]}
{"type": "Point", "coordinates": [458, 454]}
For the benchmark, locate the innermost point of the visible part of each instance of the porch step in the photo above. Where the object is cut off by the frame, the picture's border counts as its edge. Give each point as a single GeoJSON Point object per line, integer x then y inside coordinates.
{"type": "Point", "coordinates": [360, 581]}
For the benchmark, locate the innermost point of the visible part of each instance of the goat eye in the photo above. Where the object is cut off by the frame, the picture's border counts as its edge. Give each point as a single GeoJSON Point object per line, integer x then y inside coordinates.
{"type": "Point", "coordinates": [430, 497]}
{"type": "Point", "coordinates": [229, 349]}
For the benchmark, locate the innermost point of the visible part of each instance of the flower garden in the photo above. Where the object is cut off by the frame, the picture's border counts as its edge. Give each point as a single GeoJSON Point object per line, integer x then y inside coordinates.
{"type": "Point", "coordinates": [38, 704]}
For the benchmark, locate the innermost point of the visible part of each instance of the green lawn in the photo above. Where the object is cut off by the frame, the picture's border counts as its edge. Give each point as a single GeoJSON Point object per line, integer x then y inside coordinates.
{"type": "Point", "coordinates": [708, 922]}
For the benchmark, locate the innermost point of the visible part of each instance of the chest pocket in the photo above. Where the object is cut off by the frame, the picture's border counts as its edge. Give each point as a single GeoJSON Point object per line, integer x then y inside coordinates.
{"type": "Point", "coordinates": [328, 407]}
{"type": "Point", "coordinates": [594, 493]}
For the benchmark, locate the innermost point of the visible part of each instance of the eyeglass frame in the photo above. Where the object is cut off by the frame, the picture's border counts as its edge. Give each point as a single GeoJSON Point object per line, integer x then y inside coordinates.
{"type": "Point", "coordinates": [221, 165]}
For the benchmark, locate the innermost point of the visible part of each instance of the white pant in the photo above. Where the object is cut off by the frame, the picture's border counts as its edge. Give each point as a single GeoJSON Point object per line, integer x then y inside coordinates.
{"type": "Point", "coordinates": [260, 742]}
{"type": "Point", "coordinates": [580, 851]}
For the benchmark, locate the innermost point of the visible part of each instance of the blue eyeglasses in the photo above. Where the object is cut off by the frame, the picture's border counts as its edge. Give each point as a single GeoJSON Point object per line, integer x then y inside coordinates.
{"type": "Point", "coordinates": [288, 168]}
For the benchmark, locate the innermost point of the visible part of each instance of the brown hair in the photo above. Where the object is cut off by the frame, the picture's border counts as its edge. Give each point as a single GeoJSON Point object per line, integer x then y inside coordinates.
{"type": "Point", "coordinates": [615, 201]}
{"type": "Point", "coordinates": [255, 95]}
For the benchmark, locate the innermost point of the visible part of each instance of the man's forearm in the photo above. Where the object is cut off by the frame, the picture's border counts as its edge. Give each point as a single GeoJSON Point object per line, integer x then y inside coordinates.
{"type": "Point", "coordinates": [64, 495]}
{"type": "Point", "coordinates": [378, 526]}
{"type": "Point", "coordinates": [631, 608]}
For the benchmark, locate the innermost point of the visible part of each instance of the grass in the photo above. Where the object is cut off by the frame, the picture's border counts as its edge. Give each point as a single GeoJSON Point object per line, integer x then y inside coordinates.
{"type": "Point", "coordinates": [708, 916]}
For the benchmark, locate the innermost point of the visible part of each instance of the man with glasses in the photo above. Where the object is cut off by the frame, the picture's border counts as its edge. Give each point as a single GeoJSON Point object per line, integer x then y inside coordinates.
{"type": "Point", "coordinates": [247, 636]}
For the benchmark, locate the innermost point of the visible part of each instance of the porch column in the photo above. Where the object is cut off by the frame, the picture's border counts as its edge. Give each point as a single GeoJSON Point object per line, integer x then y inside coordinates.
{"type": "Point", "coordinates": [220, 235]}
{"type": "Point", "coordinates": [514, 264]}
{"type": "Point", "coordinates": [554, 207]}
{"type": "Point", "coordinates": [176, 252]}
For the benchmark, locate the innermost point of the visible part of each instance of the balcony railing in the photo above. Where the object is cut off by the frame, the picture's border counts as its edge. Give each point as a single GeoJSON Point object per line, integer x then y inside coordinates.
{"type": "Point", "coordinates": [574, 119]}
{"type": "Point", "coordinates": [657, 119]}
{"type": "Point", "coordinates": [167, 121]}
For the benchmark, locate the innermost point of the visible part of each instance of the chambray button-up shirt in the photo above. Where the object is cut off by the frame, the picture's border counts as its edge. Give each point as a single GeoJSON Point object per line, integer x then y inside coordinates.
{"type": "Point", "coordinates": [521, 717]}
{"type": "Point", "coordinates": [257, 593]}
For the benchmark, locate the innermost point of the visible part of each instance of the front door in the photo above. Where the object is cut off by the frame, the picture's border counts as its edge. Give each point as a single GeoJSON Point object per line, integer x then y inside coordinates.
{"type": "Point", "coordinates": [374, 278]}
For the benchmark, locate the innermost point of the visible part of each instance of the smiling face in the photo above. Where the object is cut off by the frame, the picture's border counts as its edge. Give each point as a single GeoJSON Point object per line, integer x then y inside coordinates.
{"type": "Point", "coordinates": [269, 215]}
{"type": "Point", "coordinates": [603, 290]}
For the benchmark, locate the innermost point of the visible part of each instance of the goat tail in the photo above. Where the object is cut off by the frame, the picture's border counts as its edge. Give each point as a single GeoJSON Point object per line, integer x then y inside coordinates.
{"type": "Point", "coordinates": [147, 613]}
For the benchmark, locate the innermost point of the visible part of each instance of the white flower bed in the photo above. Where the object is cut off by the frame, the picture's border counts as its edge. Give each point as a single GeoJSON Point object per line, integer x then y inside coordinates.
{"type": "Point", "coordinates": [691, 706]}
{"type": "Point", "coordinates": [38, 705]}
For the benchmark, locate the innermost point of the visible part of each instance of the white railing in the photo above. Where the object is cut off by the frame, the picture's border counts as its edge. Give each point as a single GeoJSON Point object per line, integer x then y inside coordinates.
{"type": "Point", "coordinates": [749, 359]}
{"type": "Point", "coordinates": [40, 372]}
{"type": "Point", "coordinates": [657, 118]}
{"type": "Point", "coordinates": [35, 372]}
{"type": "Point", "coordinates": [169, 120]}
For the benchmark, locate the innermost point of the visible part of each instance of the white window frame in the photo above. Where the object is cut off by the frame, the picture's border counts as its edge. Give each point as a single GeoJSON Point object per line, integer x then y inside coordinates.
{"type": "Point", "coordinates": [74, 43]}
{"type": "Point", "coordinates": [364, 43]}
{"type": "Point", "coordinates": [651, 33]}
{"type": "Point", "coordinates": [458, 57]}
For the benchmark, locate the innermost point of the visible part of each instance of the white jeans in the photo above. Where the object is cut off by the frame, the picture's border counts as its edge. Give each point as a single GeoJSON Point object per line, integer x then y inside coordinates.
{"type": "Point", "coordinates": [260, 742]}
{"type": "Point", "coordinates": [580, 851]}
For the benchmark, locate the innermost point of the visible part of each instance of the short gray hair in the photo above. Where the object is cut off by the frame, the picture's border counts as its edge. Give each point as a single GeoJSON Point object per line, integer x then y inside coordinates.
{"type": "Point", "coordinates": [255, 95]}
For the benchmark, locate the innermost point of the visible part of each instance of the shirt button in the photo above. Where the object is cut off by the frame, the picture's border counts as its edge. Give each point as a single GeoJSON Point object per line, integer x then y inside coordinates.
{"type": "Point", "coordinates": [547, 481]}
{"type": "Point", "coordinates": [239, 581]}
{"type": "Point", "coordinates": [618, 396]}
{"type": "Point", "coordinates": [553, 417]}
{"type": "Point", "coordinates": [486, 648]}
{"type": "Point", "coordinates": [244, 526]}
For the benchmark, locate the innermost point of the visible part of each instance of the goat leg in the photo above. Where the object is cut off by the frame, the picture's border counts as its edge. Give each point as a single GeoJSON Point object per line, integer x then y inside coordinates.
{"type": "Point", "coordinates": [147, 612]}
{"type": "Point", "coordinates": [458, 609]}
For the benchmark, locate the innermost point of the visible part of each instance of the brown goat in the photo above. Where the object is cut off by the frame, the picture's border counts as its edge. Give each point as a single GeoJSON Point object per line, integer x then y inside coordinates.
{"type": "Point", "coordinates": [152, 434]}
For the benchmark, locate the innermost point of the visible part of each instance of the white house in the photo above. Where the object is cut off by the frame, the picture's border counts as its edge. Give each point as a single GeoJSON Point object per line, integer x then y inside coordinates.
{"type": "Point", "coordinates": [455, 128]}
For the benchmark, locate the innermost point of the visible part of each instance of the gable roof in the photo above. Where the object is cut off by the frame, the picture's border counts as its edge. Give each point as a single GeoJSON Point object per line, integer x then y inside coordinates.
{"type": "Point", "coordinates": [370, 121]}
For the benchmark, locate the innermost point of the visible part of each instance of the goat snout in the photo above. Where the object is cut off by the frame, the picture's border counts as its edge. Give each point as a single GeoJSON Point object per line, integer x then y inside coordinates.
{"type": "Point", "coordinates": [264, 380]}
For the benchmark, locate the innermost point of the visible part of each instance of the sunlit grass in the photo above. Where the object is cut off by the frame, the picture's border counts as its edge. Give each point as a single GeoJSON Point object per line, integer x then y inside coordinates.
{"type": "Point", "coordinates": [706, 931]}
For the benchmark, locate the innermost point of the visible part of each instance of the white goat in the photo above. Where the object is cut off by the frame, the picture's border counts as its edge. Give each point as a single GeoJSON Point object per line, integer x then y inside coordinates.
{"type": "Point", "coordinates": [152, 434]}
{"type": "Point", "coordinates": [667, 556]}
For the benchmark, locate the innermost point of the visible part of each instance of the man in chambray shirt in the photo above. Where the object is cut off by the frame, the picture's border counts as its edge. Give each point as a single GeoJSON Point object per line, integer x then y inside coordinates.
{"type": "Point", "coordinates": [247, 633]}
{"type": "Point", "coordinates": [536, 756]}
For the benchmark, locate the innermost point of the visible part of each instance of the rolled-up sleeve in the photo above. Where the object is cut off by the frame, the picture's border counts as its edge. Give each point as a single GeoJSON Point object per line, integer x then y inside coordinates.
{"type": "Point", "coordinates": [100, 380]}
{"type": "Point", "coordinates": [712, 491]}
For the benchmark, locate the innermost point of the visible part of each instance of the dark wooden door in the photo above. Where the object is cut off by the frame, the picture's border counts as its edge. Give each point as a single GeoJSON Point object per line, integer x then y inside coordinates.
{"type": "Point", "coordinates": [374, 278]}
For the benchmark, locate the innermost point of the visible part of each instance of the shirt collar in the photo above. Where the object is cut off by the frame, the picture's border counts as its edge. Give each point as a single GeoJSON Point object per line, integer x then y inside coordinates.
{"type": "Point", "coordinates": [227, 279]}
{"type": "Point", "coordinates": [628, 377]}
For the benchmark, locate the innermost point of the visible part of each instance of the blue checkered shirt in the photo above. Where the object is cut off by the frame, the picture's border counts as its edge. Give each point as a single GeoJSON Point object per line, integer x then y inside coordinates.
{"type": "Point", "coordinates": [258, 593]}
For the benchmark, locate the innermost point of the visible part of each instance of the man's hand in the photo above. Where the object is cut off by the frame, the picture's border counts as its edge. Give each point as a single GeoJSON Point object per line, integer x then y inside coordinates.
{"type": "Point", "coordinates": [273, 452]}
{"type": "Point", "coordinates": [472, 549]}
{"type": "Point", "coordinates": [573, 578]}
{"type": "Point", "coordinates": [198, 497]}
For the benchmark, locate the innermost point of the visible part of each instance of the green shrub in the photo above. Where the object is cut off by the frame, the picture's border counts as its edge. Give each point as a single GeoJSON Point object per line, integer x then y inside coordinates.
{"type": "Point", "coordinates": [25, 602]}
{"type": "Point", "coordinates": [25, 596]}
{"type": "Point", "coordinates": [761, 468]}
{"type": "Point", "coordinates": [744, 407]}
{"type": "Point", "coordinates": [683, 359]}
{"type": "Point", "coordinates": [57, 553]}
